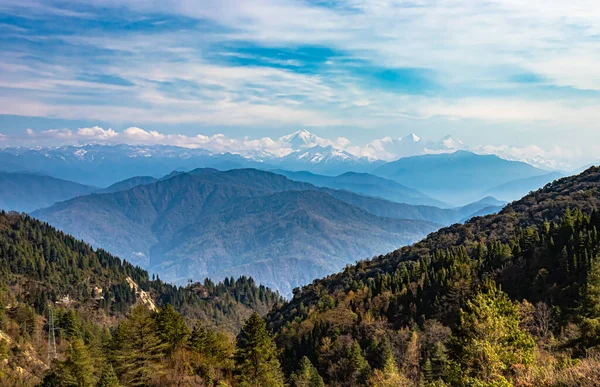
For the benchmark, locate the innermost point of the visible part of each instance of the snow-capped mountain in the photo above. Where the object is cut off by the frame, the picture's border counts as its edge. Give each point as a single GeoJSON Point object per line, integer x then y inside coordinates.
{"type": "Point", "coordinates": [301, 150]}
{"type": "Point", "coordinates": [389, 148]}
{"type": "Point", "coordinates": [302, 139]}
{"type": "Point", "coordinates": [327, 160]}
{"type": "Point", "coordinates": [446, 144]}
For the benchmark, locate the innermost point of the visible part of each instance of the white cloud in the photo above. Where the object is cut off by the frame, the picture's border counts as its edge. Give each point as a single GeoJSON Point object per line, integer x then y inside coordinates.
{"type": "Point", "coordinates": [470, 47]}
{"type": "Point", "coordinates": [97, 132]}
{"type": "Point", "coordinates": [143, 136]}
{"type": "Point", "coordinates": [61, 134]}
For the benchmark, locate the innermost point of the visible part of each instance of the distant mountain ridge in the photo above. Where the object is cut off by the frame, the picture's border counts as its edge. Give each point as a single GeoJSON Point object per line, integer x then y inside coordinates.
{"type": "Point", "coordinates": [103, 165]}
{"type": "Point", "coordinates": [370, 203]}
{"type": "Point", "coordinates": [515, 189]}
{"type": "Point", "coordinates": [217, 224]}
{"type": "Point", "coordinates": [365, 184]}
{"type": "Point", "coordinates": [25, 192]}
{"type": "Point", "coordinates": [458, 177]}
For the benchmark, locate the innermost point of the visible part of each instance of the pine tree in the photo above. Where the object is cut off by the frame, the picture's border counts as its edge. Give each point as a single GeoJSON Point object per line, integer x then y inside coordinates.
{"type": "Point", "coordinates": [59, 375]}
{"type": "Point", "coordinates": [412, 357]}
{"type": "Point", "coordinates": [81, 364]}
{"type": "Point", "coordinates": [359, 368]}
{"type": "Point", "coordinates": [171, 327]}
{"type": "Point", "coordinates": [76, 371]}
{"type": "Point", "coordinates": [439, 361]}
{"type": "Point", "coordinates": [590, 324]}
{"type": "Point", "coordinates": [136, 348]}
{"type": "Point", "coordinates": [108, 378]}
{"type": "Point", "coordinates": [306, 375]}
{"type": "Point", "coordinates": [256, 355]}
{"type": "Point", "coordinates": [488, 342]}
{"type": "Point", "coordinates": [389, 376]}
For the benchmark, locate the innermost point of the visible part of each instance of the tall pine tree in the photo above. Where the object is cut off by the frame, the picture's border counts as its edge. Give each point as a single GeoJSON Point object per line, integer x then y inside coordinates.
{"type": "Point", "coordinates": [256, 356]}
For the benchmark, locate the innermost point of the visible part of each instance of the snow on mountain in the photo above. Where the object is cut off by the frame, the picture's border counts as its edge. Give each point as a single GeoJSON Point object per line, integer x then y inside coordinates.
{"type": "Point", "coordinates": [446, 144]}
{"type": "Point", "coordinates": [389, 148]}
{"type": "Point", "coordinates": [327, 160]}
{"type": "Point", "coordinates": [303, 139]}
{"type": "Point", "coordinates": [319, 154]}
{"type": "Point", "coordinates": [301, 146]}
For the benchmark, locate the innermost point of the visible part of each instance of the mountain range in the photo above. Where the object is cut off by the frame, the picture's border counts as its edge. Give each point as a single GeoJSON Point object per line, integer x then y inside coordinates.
{"type": "Point", "coordinates": [455, 178]}
{"type": "Point", "coordinates": [493, 292]}
{"type": "Point", "coordinates": [218, 224]}
{"type": "Point", "coordinates": [460, 177]}
{"type": "Point", "coordinates": [23, 192]}
{"type": "Point", "coordinates": [364, 184]}
{"type": "Point", "coordinates": [521, 187]}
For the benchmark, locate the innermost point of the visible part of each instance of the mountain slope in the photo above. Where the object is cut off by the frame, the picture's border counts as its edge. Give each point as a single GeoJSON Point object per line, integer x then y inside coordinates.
{"type": "Point", "coordinates": [542, 248]}
{"type": "Point", "coordinates": [27, 192]}
{"type": "Point", "coordinates": [89, 291]}
{"type": "Point", "coordinates": [283, 240]}
{"type": "Point", "coordinates": [40, 263]}
{"type": "Point", "coordinates": [459, 177]}
{"type": "Point", "coordinates": [518, 188]}
{"type": "Point", "coordinates": [129, 183]}
{"type": "Point", "coordinates": [217, 224]}
{"type": "Point", "coordinates": [364, 184]}
{"type": "Point", "coordinates": [480, 205]}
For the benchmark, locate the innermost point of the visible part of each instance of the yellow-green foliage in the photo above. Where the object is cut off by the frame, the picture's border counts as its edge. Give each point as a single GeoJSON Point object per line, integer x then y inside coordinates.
{"type": "Point", "coordinates": [489, 345]}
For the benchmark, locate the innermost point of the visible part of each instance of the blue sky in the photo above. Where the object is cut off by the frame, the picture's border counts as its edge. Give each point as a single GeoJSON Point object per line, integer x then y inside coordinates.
{"type": "Point", "coordinates": [495, 73]}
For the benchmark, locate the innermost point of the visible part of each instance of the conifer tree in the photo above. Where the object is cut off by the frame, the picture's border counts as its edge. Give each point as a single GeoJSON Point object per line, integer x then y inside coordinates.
{"type": "Point", "coordinates": [590, 324]}
{"type": "Point", "coordinates": [137, 349]}
{"type": "Point", "coordinates": [488, 342]}
{"type": "Point", "coordinates": [77, 370]}
{"type": "Point", "coordinates": [108, 377]}
{"type": "Point", "coordinates": [256, 355]}
{"type": "Point", "coordinates": [389, 376]}
{"type": "Point", "coordinates": [171, 327]}
{"type": "Point", "coordinates": [359, 369]}
{"type": "Point", "coordinates": [80, 363]}
{"type": "Point", "coordinates": [306, 375]}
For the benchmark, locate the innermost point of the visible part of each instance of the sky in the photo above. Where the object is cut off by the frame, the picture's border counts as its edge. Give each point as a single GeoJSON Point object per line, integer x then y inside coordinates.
{"type": "Point", "coordinates": [503, 75]}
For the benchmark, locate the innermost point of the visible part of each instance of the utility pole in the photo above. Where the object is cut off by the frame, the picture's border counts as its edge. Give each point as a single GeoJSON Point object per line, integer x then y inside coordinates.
{"type": "Point", "coordinates": [51, 335]}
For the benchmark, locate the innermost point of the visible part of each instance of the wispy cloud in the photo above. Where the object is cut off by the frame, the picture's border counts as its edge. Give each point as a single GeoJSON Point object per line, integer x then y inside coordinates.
{"type": "Point", "coordinates": [358, 64]}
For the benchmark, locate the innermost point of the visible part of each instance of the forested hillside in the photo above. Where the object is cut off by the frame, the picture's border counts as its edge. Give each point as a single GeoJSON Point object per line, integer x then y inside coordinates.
{"type": "Point", "coordinates": [91, 291]}
{"type": "Point", "coordinates": [503, 300]}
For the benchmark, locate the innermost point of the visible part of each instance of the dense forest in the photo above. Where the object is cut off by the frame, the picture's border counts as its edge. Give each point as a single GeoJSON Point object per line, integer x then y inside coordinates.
{"type": "Point", "coordinates": [506, 299]}
{"type": "Point", "coordinates": [90, 294]}
{"type": "Point", "coordinates": [511, 299]}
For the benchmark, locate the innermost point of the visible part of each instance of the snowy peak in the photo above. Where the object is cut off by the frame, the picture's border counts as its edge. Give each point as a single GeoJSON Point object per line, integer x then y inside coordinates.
{"type": "Point", "coordinates": [411, 138]}
{"type": "Point", "coordinates": [319, 154]}
{"type": "Point", "coordinates": [302, 139]}
{"type": "Point", "coordinates": [446, 144]}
